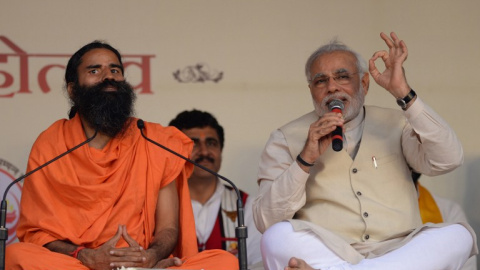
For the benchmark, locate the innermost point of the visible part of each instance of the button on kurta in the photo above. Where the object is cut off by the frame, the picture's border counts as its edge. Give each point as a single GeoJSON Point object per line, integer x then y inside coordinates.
{"type": "Point", "coordinates": [359, 193]}
{"type": "Point", "coordinates": [354, 170]}
{"type": "Point", "coordinates": [365, 214]}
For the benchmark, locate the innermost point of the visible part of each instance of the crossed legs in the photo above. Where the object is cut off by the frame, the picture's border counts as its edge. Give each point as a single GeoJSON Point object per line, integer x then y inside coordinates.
{"type": "Point", "coordinates": [444, 248]}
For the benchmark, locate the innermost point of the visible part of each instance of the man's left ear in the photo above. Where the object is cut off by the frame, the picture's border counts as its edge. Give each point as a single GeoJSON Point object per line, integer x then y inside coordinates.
{"type": "Point", "coordinates": [365, 82]}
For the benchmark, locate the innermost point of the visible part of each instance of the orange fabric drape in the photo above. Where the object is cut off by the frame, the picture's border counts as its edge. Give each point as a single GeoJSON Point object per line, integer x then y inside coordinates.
{"type": "Point", "coordinates": [429, 210]}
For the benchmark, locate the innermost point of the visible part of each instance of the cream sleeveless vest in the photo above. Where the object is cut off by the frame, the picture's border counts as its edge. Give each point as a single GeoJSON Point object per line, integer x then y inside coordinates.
{"type": "Point", "coordinates": [353, 198]}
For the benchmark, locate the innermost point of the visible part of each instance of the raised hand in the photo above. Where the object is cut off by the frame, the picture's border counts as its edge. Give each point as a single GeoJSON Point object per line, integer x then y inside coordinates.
{"type": "Point", "coordinates": [393, 77]}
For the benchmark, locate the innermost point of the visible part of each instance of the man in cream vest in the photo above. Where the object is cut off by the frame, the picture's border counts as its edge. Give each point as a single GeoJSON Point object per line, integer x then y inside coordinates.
{"type": "Point", "coordinates": [357, 208]}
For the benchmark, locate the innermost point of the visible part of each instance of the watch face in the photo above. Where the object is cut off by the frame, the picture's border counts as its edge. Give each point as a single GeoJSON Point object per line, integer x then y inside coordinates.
{"type": "Point", "coordinates": [401, 103]}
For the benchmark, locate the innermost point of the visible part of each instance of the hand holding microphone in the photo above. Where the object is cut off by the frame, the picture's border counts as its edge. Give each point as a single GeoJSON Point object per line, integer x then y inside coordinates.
{"type": "Point", "coordinates": [337, 106]}
{"type": "Point", "coordinates": [319, 135]}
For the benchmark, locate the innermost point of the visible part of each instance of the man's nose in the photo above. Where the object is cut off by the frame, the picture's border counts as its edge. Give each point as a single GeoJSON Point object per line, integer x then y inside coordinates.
{"type": "Point", "coordinates": [202, 148]}
{"type": "Point", "coordinates": [108, 75]}
{"type": "Point", "coordinates": [332, 85]}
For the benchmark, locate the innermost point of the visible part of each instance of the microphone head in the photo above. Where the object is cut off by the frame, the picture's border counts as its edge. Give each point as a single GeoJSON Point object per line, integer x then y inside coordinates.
{"type": "Point", "coordinates": [336, 104]}
{"type": "Point", "coordinates": [140, 124]}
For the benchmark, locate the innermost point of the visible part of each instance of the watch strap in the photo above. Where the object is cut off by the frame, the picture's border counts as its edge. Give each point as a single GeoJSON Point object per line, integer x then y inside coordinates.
{"type": "Point", "coordinates": [303, 162]}
{"type": "Point", "coordinates": [403, 102]}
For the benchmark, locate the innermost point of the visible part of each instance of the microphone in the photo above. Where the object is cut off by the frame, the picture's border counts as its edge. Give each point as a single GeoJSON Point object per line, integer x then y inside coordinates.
{"type": "Point", "coordinates": [337, 106]}
{"type": "Point", "coordinates": [3, 211]}
{"type": "Point", "coordinates": [241, 231]}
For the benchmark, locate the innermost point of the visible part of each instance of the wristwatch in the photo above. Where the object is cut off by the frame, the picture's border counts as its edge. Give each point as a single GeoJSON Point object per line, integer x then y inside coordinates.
{"type": "Point", "coordinates": [402, 102]}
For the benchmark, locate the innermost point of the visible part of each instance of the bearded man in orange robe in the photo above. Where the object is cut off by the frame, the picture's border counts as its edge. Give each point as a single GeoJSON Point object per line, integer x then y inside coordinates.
{"type": "Point", "coordinates": [119, 201]}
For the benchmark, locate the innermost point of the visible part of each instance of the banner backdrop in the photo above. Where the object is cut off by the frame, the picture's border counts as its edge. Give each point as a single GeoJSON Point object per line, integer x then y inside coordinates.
{"type": "Point", "coordinates": [243, 61]}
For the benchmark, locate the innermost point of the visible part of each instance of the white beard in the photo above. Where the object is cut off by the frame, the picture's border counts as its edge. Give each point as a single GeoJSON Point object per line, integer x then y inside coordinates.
{"type": "Point", "coordinates": [352, 108]}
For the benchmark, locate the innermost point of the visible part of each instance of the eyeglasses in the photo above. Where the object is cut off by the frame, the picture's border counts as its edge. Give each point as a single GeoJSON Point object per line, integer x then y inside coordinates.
{"type": "Point", "coordinates": [341, 78]}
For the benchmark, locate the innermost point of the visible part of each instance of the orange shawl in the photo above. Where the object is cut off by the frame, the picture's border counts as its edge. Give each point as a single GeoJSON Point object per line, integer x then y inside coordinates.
{"type": "Point", "coordinates": [85, 195]}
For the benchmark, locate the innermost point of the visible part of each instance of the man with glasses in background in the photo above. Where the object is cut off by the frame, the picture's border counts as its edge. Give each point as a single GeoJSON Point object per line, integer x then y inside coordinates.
{"type": "Point", "coordinates": [214, 204]}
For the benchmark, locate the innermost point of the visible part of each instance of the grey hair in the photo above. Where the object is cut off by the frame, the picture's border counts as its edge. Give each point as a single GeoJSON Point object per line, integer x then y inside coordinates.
{"type": "Point", "coordinates": [334, 46]}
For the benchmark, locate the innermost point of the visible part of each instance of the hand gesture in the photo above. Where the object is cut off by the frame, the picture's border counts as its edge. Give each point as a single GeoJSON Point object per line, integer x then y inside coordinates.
{"type": "Point", "coordinates": [393, 77]}
{"type": "Point", "coordinates": [100, 258]}
{"type": "Point", "coordinates": [108, 257]}
{"type": "Point", "coordinates": [134, 255]}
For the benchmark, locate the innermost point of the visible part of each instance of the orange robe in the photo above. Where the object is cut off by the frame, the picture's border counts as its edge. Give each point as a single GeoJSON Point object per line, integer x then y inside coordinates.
{"type": "Point", "coordinates": [85, 195]}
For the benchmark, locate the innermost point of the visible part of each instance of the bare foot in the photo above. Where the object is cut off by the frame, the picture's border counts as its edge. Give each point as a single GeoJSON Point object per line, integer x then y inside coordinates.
{"type": "Point", "coordinates": [297, 264]}
{"type": "Point", "coordinates": [174, 261]}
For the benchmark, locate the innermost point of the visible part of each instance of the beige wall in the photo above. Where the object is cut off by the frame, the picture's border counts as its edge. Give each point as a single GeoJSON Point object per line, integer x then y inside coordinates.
{"type": "Point", "coordinates": [261, 47]}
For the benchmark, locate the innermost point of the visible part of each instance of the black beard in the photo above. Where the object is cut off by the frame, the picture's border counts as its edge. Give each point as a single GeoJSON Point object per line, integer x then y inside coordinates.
{"type": "Point", "coordinates": [107, 111]}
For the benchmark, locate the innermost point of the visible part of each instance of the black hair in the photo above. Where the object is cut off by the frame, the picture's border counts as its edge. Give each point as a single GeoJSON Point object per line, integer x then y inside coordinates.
{"type": "Point", "coordinates": [415, 177]}
{"type": "Point", "coordinates": [198, 119]}
{"type": "Point", "coordinates": [71, 72]}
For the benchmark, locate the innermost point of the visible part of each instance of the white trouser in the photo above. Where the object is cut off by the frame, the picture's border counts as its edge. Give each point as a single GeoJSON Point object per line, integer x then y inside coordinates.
{"type": "Point", "coordinates": [445, 248]}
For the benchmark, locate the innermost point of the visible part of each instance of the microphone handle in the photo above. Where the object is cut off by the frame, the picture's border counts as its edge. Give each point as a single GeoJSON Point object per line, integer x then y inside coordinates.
{"type": "Point", "coordinates": [241, 231]}
{"type": "Point", "coordinates": [337, 134]}
{"type": "Point", "coordinates": [337, 139]}
{"type": "Point", "coordinates": [3, 211]}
